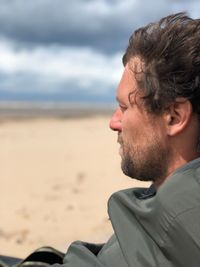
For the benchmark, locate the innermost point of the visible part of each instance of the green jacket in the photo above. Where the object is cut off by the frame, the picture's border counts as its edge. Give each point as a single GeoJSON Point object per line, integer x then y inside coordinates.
{"type": "Point", "coordinates": [161, 230]}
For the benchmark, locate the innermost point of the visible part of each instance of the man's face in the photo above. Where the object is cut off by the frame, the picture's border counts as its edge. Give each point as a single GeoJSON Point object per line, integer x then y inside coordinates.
{"type": "Point", "coordinates": [141, 135]}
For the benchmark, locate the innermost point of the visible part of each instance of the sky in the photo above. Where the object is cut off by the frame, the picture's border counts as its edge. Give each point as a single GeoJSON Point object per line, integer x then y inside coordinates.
{"type": "Point", "coordinates": [71, 50]}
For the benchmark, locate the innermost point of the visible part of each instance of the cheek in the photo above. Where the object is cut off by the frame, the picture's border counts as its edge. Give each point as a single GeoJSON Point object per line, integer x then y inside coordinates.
{"type": "Point", "coordinates": [131, 127]}
{"type": "Point", "coordinates": [139, 133]}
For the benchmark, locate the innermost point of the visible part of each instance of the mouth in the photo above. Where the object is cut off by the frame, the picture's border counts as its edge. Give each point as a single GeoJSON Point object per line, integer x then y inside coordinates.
{"type": "Point", "coordinates": [121, 151]}
{"type": "Point", "coordinates": [119, 140]}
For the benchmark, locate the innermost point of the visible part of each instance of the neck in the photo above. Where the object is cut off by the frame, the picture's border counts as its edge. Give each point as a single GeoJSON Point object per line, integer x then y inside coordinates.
{"type": "Point", "coordinates": [174, 165]}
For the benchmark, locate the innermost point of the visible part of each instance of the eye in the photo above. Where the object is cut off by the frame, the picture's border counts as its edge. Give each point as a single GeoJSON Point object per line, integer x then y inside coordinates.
{"type": "Point", "coordinates": [123, 108]}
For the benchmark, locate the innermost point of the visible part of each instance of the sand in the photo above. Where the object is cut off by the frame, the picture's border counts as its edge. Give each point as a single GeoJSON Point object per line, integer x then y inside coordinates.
{"type": "Point", "coordinates": [56, 178]}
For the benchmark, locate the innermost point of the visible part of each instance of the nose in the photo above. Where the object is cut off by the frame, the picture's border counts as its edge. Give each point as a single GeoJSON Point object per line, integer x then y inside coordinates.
{"type": "Point", "coordinates": [115, 121]}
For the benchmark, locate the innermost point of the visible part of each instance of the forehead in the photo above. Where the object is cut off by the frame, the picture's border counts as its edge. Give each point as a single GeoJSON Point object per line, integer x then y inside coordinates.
{"type": "Point", "coordinates": [128, 82]}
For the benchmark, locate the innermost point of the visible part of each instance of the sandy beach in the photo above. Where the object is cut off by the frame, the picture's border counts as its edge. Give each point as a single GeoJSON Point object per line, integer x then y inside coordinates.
{"type": "Point", "coordinates": [56, 178]}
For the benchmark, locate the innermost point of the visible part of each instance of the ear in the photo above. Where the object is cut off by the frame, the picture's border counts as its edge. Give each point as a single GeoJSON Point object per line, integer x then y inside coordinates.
{"type": "Point", "coordinates": [178, 116]}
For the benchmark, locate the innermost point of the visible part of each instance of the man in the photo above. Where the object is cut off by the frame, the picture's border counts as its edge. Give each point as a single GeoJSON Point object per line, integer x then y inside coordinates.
{"type": "Point", "coordinates": [158, 126]}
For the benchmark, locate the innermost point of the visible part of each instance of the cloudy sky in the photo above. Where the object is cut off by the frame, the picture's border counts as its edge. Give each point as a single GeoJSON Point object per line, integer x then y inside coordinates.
{"type": "Point", "coordinates": [71, 50]}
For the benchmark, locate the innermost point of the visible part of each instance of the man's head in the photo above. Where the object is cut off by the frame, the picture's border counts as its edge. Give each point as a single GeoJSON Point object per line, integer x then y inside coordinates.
{"type": "Point", "coordinates": [159, 98]}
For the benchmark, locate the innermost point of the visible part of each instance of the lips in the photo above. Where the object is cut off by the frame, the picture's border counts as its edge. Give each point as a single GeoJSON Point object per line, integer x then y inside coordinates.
{"type": "Point", "coordinates": [119, 140]}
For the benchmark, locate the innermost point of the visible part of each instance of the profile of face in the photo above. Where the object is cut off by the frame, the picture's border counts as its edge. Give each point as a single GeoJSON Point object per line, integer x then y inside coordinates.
{"type": "Point", "coordinates": [141, 135]}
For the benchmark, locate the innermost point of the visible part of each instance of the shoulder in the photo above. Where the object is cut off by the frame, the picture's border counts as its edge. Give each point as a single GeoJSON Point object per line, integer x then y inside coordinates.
{"type": "Point", "coordinates": [167, 222]}
{"type": "Point", "coordinates": [176, 201]}
{"type": "Point", "coordinates": [180, 192]}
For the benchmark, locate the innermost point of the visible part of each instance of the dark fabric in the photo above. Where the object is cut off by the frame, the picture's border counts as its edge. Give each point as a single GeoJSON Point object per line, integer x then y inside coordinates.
{"type": "Point", "coordinates": [145, 193]}
{"type": "Point", "coordinates": [6, 261]}
{"type": "Point", "coordinates": [42, 257]}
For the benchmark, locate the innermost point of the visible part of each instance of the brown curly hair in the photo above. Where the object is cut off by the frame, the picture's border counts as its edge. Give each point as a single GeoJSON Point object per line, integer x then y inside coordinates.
{"type": "Point", "coordinates": [170, 52]}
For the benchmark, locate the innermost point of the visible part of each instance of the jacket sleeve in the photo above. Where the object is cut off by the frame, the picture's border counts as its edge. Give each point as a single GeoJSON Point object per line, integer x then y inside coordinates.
{"type": "Point", "coordinates": [82, 254]}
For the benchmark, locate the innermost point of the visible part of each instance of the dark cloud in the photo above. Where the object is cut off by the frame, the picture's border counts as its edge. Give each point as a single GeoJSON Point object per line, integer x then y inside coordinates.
{"type": "Point", "coordinates": [104, 25]}
{"type": "Point", "coordinates": [30, 87]}
{"type": "Point", "coordinates": [66, 50]}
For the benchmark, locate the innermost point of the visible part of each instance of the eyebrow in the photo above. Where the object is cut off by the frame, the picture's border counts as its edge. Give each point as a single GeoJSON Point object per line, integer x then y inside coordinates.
{"type": "Point", "coordinates": [117, 99]}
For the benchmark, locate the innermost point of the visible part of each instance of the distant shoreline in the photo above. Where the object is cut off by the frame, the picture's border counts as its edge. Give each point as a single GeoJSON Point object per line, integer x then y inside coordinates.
{"type": "Point", "coordinates": [32, 110]}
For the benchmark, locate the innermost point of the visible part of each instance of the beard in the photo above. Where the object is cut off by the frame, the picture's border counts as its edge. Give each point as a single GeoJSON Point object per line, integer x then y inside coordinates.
{"type": "Point", "coordinates": [145, 163]}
